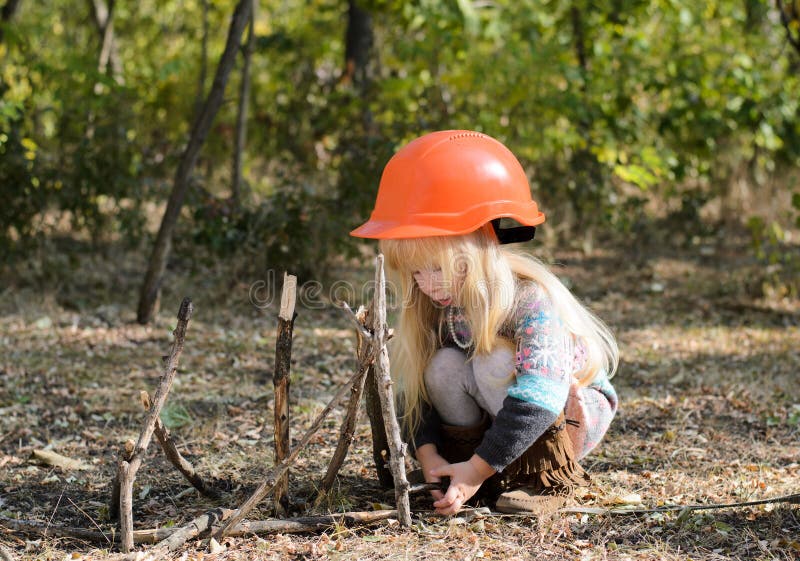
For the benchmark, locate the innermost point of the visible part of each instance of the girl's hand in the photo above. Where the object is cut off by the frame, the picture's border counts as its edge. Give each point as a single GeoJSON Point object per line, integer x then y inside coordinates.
{"type": "Point", "coordinates": [465, 480]}
{"type": "Point", "coordinates": [429, 460]}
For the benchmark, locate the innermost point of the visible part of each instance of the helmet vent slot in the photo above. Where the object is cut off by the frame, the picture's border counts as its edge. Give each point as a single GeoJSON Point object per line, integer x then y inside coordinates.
{"type": "Point", "coordinates": [467, 135]}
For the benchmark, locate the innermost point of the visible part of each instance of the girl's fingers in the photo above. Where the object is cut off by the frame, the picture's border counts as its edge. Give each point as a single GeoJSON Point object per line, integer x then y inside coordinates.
{"type": "Point", "coordinates": [446, 469]}
{"type": "Point", "coordinates": [449, 498]}
{"type": "Point", "coordinates": [452, 509]}
{"type": "Point", "coordinates": [437, 495]}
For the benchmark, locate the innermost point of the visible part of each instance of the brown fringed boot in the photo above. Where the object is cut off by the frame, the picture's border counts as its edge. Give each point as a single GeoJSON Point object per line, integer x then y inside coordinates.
{"type": "Point", "coordinates": [544, 477]}
{"type": "Point", "coordinates": [459, 443]}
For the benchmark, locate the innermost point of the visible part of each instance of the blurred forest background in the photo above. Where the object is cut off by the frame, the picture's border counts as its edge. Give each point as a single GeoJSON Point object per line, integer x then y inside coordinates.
{"type": "Point", "coordinates": [645, 121]}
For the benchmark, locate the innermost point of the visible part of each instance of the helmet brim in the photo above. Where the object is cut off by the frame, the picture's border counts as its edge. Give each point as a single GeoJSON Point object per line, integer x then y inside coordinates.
{"type": "Point", "coordinates": [391, 230]}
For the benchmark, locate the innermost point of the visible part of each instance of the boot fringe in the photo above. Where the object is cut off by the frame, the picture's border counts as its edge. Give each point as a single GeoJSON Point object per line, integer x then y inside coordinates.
{"type": "Point", "coordinates": [549, 462]}
{"type": "Point", "coordinates": [569, 475]}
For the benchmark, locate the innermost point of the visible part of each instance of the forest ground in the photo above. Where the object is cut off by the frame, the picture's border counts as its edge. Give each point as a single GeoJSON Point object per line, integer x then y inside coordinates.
{"type": "Point", "coordinates": [710, 410]}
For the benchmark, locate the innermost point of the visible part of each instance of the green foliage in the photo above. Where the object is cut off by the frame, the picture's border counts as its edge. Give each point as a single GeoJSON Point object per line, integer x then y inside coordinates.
{"type": "Point", "coordinates": [23, 193]}
{"type": "Point", "coordinates": [622, 112]}
{"type": "Point", "coordinates": [781, 263]}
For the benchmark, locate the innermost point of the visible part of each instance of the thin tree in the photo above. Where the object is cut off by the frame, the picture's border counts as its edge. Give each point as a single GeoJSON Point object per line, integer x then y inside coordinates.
{"type": "Point", "coordinates": [241, 116]}
{"type": "Point", "coordinates": [201, 79]}
{"type": "Point", "coordinates": [359, 41]}
{"type": "Point", "coordinates": [790, 17]}
{"type": "Point", "coordinates": [103, 15]}
{"type": "Point", "coordinates": [6, 13]}
{"type": "Point", "coordinates": [148, 298]}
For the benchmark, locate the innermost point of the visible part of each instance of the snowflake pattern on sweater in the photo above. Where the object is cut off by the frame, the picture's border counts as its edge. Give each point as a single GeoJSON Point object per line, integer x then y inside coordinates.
{"type": "Point", "coordinates": [547, 356]}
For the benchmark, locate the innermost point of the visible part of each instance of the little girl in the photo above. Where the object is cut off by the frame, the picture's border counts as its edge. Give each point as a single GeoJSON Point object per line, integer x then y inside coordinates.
{"type": "Point", "coordinates": [502, 375]}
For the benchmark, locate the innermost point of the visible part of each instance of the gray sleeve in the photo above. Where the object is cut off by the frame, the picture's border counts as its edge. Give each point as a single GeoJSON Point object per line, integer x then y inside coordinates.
{"type": "Point", "coordinates": [517, 426]}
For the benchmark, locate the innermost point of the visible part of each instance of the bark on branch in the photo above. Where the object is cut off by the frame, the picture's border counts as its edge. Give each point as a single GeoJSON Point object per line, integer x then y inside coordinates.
{"type": "Point", "coordinates": [280, 382]}
{"type": "Point", "coordinates": [397, 448]}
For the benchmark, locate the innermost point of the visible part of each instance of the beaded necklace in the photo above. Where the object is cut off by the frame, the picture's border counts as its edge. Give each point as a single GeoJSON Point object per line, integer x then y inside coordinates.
{"type": "Point", "coordinates": [451, 324]}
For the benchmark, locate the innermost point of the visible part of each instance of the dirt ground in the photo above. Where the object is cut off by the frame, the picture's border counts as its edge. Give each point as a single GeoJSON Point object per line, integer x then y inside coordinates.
{"type": "Point", "coordinates": [710, 412]}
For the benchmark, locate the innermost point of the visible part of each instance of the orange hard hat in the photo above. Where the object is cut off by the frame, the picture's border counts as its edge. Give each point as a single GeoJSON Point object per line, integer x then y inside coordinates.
{"type": "Point", "coordinates": [450, 183]}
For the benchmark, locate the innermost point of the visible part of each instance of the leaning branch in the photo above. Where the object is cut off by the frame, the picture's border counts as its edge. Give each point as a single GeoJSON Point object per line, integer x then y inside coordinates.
{"type": "Point", "coordinates": [175, 457]}
{"type": "Point", "coordinates": [127, 469]}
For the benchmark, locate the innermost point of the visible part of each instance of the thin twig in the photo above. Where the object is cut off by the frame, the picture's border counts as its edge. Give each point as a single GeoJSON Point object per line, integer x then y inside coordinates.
{"type": "Point", "coordinates": [55, 509]}
{"type": "Point", "coordinates": [95, 524]}
{"type": "Point", "coordinates": [353, 317]}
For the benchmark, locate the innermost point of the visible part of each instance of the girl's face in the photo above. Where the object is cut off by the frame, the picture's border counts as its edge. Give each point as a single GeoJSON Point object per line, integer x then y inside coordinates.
{"type": "Point", "coordinates": [431, 283]}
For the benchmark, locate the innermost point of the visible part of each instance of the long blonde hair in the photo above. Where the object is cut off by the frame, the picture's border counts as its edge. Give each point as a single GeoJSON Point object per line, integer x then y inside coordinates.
{"type": "Point", "coordinates": [482, 277]}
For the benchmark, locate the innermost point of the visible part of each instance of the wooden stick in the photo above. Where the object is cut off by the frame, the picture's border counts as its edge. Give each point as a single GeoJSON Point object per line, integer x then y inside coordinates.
{"type": "Point", "coordinates": [174, 455]}
{"type": "Point", "coordinates": [380, 444]}
{"type": "Point", "coordinates": [125, 477]}
{"type": "Point", "coordinates": [202, 524]}
{"type": "Point", "coordinates": [280, 381]}
{"type": "Point", "coordinates": [365, 354]}
{"type": "Point", "coordinates": [5, 554]}
{"type": "Point", "coordinates": [127, 470]}
{"type": "Point", "coordinates": [194, 528]}
{"type": "Point", "coordinates": [271, 480]}
{"type": "Point", "coordinates": [397, 448]}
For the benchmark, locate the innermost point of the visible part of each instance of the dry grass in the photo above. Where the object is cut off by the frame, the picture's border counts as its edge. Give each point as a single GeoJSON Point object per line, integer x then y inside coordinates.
{"type": "Point", "coordinates": [710, 413]}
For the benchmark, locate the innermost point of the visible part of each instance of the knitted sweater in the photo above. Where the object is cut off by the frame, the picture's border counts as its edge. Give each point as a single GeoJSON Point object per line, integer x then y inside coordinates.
{"type": "Point", "coordinates": [547, 356]}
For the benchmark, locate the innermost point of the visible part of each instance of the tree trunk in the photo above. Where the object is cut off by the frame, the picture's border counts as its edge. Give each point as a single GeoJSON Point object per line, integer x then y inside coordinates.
{"type": "Point", "coordinates": [201, 80]}
{"type": "Point", "coordinates": [589, 186]}
{"type": "Point", "coordinates": [161, 247]}
{"type": "Point", "coordinates": [358, 45]}
{"type": "Point", "coordinates": [241, 117]}
{"type": "Point", "coordinates": [6, 13]}
{"type": "Point", "coordinates": [103, 16]}
{"type": "Point", "coordinates": [580, 43]}
{"type": "Point", "coordinates": [789, 18]}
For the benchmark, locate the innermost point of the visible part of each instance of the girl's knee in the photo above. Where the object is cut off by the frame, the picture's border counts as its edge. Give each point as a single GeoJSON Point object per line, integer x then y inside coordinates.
{"type": "Point", "coordinates": [448, 367]}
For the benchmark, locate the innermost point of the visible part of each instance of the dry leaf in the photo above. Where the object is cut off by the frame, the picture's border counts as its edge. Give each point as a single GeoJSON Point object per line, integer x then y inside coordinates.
{"type": "Point", "coordinates": [50, 458]}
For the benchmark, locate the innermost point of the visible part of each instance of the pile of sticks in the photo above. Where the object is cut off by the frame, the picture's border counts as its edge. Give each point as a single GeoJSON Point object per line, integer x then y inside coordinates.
{"type": "Point", "coordinates": [372, 373]}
